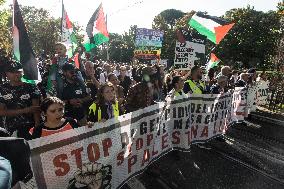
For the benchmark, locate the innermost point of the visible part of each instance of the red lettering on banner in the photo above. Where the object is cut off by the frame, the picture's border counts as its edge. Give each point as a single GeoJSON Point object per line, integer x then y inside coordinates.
{"type": "Point", "coordinates": [107, 143]}
{"type": "Point", "coordinates": [139, 143]}
{"type": "Point", "coordinates": [164, 141]}
{"type": "Point", "coordinates": [204, 132]}
{"type": "Point", "coordinates": [120, 158]}
{"type": "Point", "coordinates": [188, 138]}
{"type": "Point", "coordinates": [78, 156]}
{"type": "Point", "coordinates": [146, 157]}
{"type": "Point", "coordinates": [176, 139]}
{"type": "Point", "coordinates": [93, 151]}
{"type": "Point", "coordinates": [154, 152]}
{"type": "Point", "coordinates": [64, 167]}
{"type": "Point", "coordinates": [149, 139]}
{"type": "Point", "coordinates": [194, 131]}
{"type": "Point", "coordinates": [131, 161]}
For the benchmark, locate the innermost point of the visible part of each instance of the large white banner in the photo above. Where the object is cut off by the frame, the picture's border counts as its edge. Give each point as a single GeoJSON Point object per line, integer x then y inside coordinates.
{"type": "Point", "coordinates": [110, 153]}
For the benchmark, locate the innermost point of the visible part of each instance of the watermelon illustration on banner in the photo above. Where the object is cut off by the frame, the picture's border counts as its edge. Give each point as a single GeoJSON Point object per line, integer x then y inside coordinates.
{"type": "Point", "coordinates": [214, 28]}
{"type": "Point", "coordinates": [96, 30]}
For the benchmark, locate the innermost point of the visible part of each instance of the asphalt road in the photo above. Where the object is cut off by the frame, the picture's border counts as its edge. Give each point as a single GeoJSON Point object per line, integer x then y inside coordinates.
{"type": "Point", "coordinates": [251, 157]}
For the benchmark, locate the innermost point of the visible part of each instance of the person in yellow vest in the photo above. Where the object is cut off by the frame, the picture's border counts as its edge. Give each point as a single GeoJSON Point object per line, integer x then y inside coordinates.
{"type": "Point", "coordinates": [194, 85]}
{"type": "Point", "coordinates": [177, 87]}
{"type": "Point", "coordinates": [106, 106]}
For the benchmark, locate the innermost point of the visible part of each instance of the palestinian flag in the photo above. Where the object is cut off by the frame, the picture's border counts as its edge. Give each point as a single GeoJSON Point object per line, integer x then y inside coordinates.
{"type": "Point", "coordinates": [68, 37]}
{"type": "Point", "coordinates": [23, 51]}
{"type": "Point", "coordinates": [96, 30]}
{"type": "Point", "coordinates": [213, 62]}
{"type": "Point", "coordinates": [214, 28]}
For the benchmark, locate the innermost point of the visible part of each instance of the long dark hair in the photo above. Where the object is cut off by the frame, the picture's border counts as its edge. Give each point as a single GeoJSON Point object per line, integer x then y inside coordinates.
{"type": "Point", "coordinates": [100, 97]}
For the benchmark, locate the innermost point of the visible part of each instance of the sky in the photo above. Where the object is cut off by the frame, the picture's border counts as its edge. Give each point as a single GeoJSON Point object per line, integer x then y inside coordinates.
{"type": "Point", "coordinates": [124, 13]}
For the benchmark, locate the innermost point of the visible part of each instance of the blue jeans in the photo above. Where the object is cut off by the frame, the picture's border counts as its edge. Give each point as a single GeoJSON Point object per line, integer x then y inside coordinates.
{"type": "Point", "coordinates": [5, 173]}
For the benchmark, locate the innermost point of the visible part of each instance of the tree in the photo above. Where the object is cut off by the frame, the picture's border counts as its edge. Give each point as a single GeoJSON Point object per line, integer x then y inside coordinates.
{"type": "Point", "coordinates": [167, 21]}
{"type": "Point", "coordinates": [170, 16]}
{"type": "Point", "coordinates": [5, 32]}
{"type": "Point", "coordinates": [279, 58]}
{"type": "Point", "coordinates": [252, 40]}
{"type": "Point", "coordinates": [43, 30]}
{"type": "Point", "coordinates": [120, 47]}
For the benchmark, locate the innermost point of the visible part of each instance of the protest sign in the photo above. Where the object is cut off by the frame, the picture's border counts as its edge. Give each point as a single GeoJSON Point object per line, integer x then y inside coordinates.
{"type": "Point", "coordinates": [163, 62]}
{"type": "Point", "coordinates": [148, 38]}
{"type": "Point", "coordinates": [262, 93]}
{"type": "Point", "coordinates": [110, 153]}
{"type": "Point", "coordinates": [187, 53]}
{"type": "Point", "coordinates": [147, 54]}
{"type": "Point", "coordinates": [148, 44]}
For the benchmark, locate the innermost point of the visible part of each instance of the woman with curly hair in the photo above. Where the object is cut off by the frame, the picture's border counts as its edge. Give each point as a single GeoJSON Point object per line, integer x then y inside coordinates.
{"type": "Point", "coordinates": [106, 105]}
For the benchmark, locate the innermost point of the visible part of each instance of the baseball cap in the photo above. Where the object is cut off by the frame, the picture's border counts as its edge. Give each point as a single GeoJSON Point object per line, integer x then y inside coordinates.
{"type": "Point", "coordinates": [68, 67]}
{"type": "Point", "coordinates": [13, 66]}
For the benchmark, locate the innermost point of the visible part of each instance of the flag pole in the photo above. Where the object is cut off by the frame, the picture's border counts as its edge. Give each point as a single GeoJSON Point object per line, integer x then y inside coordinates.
{"type": "Point", "coordinates": [208, 56]}
{"type": "Point", "coordinates": [107, 43]}
{"type": "Point", "coordinates": [62, 12]}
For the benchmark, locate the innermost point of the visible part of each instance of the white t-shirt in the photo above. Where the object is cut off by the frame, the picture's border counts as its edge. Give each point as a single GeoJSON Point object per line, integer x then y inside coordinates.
{"type": "Point", "coordinates": [103, 78]}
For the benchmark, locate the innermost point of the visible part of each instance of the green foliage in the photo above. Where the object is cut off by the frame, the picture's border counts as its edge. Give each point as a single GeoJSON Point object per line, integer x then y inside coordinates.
{"type": "Point", "coordinates": [168, 21]}
{"type": "Point", "coordinates": [2, 2]}
{"type": "Point", "coordinates": [43, 30]}
{"type": "Point", "coordinates": [5, 31]}
{"type": "Point", "coordinates": [169, 17]}
{"type": "Point", "coordinates": [120, 47]}
{"type": "Point", "coordinates": [252, 40]}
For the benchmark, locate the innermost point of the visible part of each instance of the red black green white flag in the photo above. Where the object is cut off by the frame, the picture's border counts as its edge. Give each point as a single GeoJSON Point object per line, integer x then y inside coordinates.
{"type": "Point", "coordinates": [23, 51]}
{"type": "Point", "coordinates": [96, 30]}
{"type": "Point", "coordinates": [68, 37]}
{"type": "Point", "coordinates": [213, 62]}
{"type": "Point", "coordinates": [214, 28]}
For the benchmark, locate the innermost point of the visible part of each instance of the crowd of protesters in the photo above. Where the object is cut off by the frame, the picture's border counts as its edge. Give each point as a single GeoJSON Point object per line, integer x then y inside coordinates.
{"type": "Point", "coordinates": [94, 91]}
{"type": "Point", "coordinates": [71, 96]}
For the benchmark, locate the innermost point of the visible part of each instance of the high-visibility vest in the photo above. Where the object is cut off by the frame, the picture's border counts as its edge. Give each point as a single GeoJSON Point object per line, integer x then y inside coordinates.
{"type": "Point", "coordinates": [195, 89]}
{"type": "Point", "coordinates": [173, 94]}
{"type": "Point", "coordinates": [93, 108]}
{"type": "Point", "coordinates": [177, 93]}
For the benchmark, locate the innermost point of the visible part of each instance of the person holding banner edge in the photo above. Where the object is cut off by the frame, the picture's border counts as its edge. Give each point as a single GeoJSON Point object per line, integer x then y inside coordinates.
{"type": "Point", "coordinates": [106, 106]}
